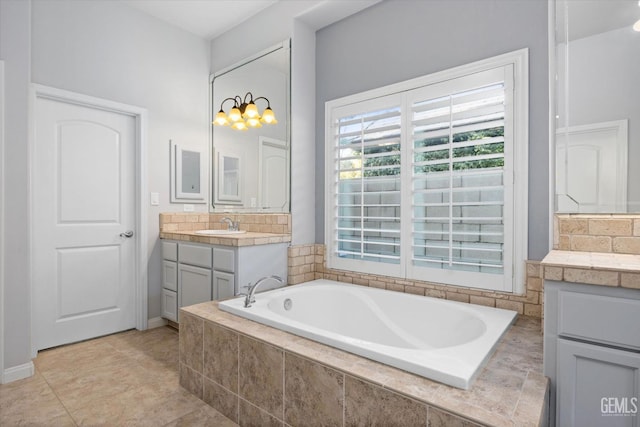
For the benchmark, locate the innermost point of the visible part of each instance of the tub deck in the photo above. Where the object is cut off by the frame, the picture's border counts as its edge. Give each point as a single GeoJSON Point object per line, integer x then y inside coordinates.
{"type": "Point", "coordinates": [224, 357]}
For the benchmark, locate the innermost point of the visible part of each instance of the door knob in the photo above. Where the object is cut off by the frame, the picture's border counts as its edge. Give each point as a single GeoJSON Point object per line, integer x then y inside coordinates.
{"type": "Point", "coordinates": [127, 234]}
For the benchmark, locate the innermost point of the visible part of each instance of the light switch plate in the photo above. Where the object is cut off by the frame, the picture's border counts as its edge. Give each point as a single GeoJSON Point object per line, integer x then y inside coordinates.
{"type": "Point", "coordinates": [188, 208]}
{"type": "Point", "coordinates": [155, 199]}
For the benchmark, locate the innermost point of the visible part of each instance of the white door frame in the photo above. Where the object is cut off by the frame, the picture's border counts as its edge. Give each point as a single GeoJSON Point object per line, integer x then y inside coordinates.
{"type": "Point", "coordinates": [140, 116]}
{"type": "Point", "coordinates": [2, 270]}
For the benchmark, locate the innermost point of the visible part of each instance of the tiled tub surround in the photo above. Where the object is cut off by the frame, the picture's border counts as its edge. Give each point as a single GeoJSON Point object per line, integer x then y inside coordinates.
{"type": "Point", "coordinates": [257, 375]}
{"type": "Point", "coordinates": [446, 341]}
{"type": "Point", "coordinates": [261, 229]}
{"type": "Point", "coordinates": [307, 262]}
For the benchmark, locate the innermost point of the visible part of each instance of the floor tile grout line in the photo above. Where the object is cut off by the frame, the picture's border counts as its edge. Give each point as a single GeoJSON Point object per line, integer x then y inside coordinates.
{"type": "Point", "coordinates": [58, 398]}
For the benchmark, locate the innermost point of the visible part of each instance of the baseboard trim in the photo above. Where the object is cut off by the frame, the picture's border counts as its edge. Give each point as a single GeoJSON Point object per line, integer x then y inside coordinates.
{"type": "Point", "coordinates": [156, 322]}
{"type": "Point", "coordinates": [16, 373]}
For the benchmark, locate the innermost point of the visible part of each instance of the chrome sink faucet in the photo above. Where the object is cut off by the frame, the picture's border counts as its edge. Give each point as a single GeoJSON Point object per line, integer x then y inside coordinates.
{"type": "Point", "coordinates": [249, 298]}
{"type": "Point", "coordinates": [231, 225]}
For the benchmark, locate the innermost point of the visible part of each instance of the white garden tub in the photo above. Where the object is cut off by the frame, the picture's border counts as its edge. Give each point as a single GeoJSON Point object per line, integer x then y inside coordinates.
{"type": "Point", "coordinates": [445, 341]}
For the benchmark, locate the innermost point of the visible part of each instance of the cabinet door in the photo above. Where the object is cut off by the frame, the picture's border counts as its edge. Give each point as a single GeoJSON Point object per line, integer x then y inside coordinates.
{"type": "Point", "coordinates": [170, 275]}
{"type": "Point", "coordinates": [194, 285]}
{"type": "Point", "coordinates": [596, 386]}
{"type": "Point", "coordinates": [223, 285]}
{"type": "Point", "coordinates": [170, 305]}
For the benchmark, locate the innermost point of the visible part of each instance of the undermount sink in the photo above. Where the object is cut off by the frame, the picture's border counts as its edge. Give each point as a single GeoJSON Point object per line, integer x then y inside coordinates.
{"type": "Point", "coordinates": [219, 232]}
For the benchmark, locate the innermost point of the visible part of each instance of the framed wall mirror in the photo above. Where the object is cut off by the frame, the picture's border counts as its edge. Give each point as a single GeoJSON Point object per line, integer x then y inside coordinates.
{"type": "Point", "coordinates": [261, 182]}
{"type": "Point", "coordinates": [597, 122]}
{"type": "Point", "coordinates": [188, 173]}
{"type": "Point", "coordinates": [229, 179]}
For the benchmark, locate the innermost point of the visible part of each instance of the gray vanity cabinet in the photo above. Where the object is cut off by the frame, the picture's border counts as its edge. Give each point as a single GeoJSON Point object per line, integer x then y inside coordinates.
{"type": "Point", "coordinates": [224, 272]}
{"type": "Point", "coordinates": [592, 354]}
{"type": "Point", "coordinates": [194, 285]}
{"type": "Point", "coordinates": [193, 273]}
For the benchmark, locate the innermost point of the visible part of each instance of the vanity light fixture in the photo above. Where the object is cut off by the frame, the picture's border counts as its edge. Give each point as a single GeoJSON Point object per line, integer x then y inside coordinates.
{"type": "Point", "coordinates": [244, 115]}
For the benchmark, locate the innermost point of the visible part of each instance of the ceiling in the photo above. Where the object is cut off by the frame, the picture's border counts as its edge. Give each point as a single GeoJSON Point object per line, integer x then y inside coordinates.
{"type": "Point", "coordinates": [204, 18]}
{"type": "Point", "coordinates": [589, 17]}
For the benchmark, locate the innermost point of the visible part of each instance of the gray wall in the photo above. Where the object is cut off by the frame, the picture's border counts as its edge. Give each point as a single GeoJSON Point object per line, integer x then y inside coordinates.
{"type": "Point", "coordinates": [399, 40]}
{"type": "Point", "coordinates": [108, 50]}
{"type": "Point", "coordinates": [15, 44]}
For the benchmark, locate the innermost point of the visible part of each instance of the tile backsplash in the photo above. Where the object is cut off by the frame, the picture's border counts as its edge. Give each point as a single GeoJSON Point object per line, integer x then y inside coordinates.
{"type": "Point", "coordinates": [307, 262]}
{"type": "Point", "coordinates": [616, 233]}
{"type": "Point", "coordinates": [276, 223]}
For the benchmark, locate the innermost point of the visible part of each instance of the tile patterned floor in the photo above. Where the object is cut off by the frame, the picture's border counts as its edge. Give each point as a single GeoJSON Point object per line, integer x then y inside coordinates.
{"type": "Point", "coordinates": [126, 379]}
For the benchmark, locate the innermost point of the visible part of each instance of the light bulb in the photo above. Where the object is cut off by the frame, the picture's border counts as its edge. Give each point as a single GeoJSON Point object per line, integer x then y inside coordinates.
{"type": "Point", "coordinates": [254, 123]}
{"type": "Point", "coordinates": [251, 111]}
{"type": "Point", "coordinates": [239, 125]}
{"type": "Point", "coordinates": [268, 117]}
{"type": "Point", "coordinates": [636, 26]}
{"type": "Point", "coordinates": [221, 119]}
{"type": "Point", "coordinates": [234, 114]}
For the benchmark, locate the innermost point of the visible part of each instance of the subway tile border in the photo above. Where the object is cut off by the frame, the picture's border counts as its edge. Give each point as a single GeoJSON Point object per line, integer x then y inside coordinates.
{"type": "Point", "coordinates": [307, 262]}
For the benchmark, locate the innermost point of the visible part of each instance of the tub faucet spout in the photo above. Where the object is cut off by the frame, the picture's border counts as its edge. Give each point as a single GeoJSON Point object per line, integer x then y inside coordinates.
{"type": "Point", "coordinates": [250, 298]}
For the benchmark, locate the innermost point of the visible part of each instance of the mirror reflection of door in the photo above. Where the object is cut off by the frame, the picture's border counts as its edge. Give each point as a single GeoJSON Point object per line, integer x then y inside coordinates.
{"type": "Point", "coordinates": [229, 179]}
{"type": "Point", "coordinates": [273, 173]}
{"type": "Point", "coordinates": [593, 176]}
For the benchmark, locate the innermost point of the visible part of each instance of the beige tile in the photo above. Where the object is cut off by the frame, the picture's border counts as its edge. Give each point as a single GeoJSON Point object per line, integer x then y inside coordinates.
{"type": "Point", "coordinates": [553, 273]}
{"type": "Point", "coordinates": [221, 355]}
{"type": "Point", "coordinates": [534, 283]}
{"type": "Point", "coordinates": [313, 393]}
{"type": "Point", "coordinates": [367, 404]}
{"type": "Point", "coordinates": [191, 380]}
{"type": "Point", "coordinates": [533, 269]}
{"type": "Point", "coordinates": [221, 399]}
{"type": "Point", "coordinates": [31, 402]}
{"type": "Point", "coordinates": [626, 245]}
{"type": "Point", "coordinates": [510, 305]}
{"type": "Point", "coordinates": [636, 227]}
{"type": "Point", "coordinates": [191, 347]}
{"type": "Point", "coordinates": [533, 397]}
{"type": "Point", "coordinates": [147, 405]}
{"type": "Point", "coordinates": [489, 302]}
{"type": "Point", "coordinates": [250, 415]}
{"type": "Point", "coordinates": [591, 243]}
{"type": "Point", "coordinates": [564, 242]}
{"type": "Point", "coordinates": [573, 226]}
{"type": "Point", "coordinates": [630, 280]}
{"type": "Point", "coordinates": [439, 418]}
{"type": "Point", "coordinates": [592, 277]}
{"type": "Point", "coordinates": [203, 417]}
{"type": "Point", "coordinates": [611, 227]}
{"type": "Point", "coordinates": [81, 388]}
{"type": "Point", "coordinates": [261, 375]}
{"type": "Point", "coordinates": [534, 310]}
{"type": "Point", "coordinates": [455, 296]}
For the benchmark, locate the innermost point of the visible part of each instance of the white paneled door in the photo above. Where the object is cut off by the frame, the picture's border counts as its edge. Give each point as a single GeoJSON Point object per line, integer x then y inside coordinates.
{"type": "Point", "coordinates": [83, 222]}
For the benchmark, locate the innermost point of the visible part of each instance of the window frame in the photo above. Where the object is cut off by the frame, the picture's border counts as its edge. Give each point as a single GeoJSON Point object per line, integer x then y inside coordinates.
{"type": "Point", "coordinates": [513, 278]}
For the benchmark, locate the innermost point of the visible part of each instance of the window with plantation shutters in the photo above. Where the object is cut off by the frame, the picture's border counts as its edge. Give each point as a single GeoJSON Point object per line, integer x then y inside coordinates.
{"type": "Point", "coordinates": [366, 151]}
{"type": "Point", "coordinates": [420, 177]}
